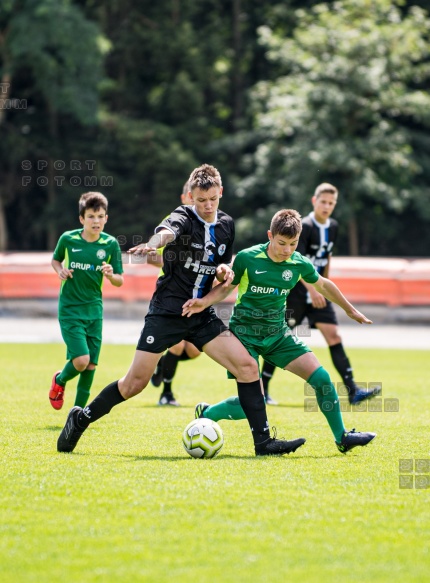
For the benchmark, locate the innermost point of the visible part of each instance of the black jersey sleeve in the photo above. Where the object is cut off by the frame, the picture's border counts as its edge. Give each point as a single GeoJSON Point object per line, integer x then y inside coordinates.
{"type": "Point", "coordinates": [177, 222]}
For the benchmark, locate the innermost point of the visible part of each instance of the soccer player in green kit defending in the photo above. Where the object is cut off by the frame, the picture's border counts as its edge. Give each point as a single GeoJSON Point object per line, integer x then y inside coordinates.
{"type": "Point", "coordinates": [83, 258]}
{"type": "Point", "coordinates": [265, 275]}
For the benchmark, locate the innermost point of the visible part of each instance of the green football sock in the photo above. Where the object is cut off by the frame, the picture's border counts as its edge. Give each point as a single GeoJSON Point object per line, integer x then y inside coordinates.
{"type": "Point", "coordinates": [84, 387]}
{"type": "Point", "coordinates": [228, 409]}
{"type": "Point", "coordinates": [68, 373]}
{"type": "Point", "coordinates": [328, 401]}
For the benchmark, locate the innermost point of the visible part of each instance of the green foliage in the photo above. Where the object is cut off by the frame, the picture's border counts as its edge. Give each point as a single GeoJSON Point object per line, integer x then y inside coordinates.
{"type": "Point", "coordinates": [278, 95]}
{"type": "Point", "coordinates": [349, 108]}
{"type": "Point", "coordinates": [130, 505]}
{"type": "Point", "coordinates": [63, 54]}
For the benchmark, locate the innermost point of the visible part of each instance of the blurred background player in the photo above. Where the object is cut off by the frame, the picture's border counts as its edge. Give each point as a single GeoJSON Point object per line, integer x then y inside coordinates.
{"type": "Point", "coordinates": [316, 242]}
{"type": "Point", "coordinates": [82, 259]}
{"type": "Point", "coordinates": [168, 363]}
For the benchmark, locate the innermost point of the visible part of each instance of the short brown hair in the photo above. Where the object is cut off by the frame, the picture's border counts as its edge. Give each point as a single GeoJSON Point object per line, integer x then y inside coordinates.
{"type": "Point", "coordinates": [92, 200]}
{"type": "Point", "coordinates": [204, 177]}
{"type": "Point", "coordinates": [286, 223]}
{"type": "Point", "coordinates": [325, 187]}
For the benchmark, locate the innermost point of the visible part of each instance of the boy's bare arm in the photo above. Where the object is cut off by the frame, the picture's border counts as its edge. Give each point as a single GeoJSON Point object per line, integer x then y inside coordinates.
{"type": "Point", "coordinates": [216, 295]}
{"type": "Point", "coordinates": [330, 291]}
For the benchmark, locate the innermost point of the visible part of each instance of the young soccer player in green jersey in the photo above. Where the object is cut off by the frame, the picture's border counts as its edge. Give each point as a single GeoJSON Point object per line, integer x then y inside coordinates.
{"type": "Point", "coordinates": [265, 275]}
{"type": "Point", "coordinates": [83, 258]}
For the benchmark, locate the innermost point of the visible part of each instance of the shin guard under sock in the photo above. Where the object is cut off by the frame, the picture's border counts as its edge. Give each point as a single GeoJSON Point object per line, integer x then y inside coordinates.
{"type": "Point", "coordinates": [102, 404]}
{"type": "Point", "coordinates": [68, 373]}
{"type": "Point", "coordinates": [84, 386]}
{"type": "Point", "coordinates": [328, 401]}
{"type": "Point", "coordinates": [254, 407]}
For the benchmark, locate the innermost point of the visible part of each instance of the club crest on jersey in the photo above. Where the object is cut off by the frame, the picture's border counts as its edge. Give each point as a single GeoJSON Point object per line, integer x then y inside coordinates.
{"type": "Point", "coordinates": [221, 249]}
{"type": "Point", "coordinates": [287, 275]}
{"type": "Point", "coordinates": [101, 254]}
{"type": "Point", "coordinates": [209, 248]}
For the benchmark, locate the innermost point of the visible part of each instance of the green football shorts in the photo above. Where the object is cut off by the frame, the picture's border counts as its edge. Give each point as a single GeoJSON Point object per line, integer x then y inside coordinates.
{"type": "Point", "coordinates": [279, 348]}
{"type": "Point", "coordinates": [82, 337]}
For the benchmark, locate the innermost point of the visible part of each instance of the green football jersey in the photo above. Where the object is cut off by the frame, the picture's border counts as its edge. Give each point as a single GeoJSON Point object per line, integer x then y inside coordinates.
{"type": "Point", "coordinates": [264, 286]}
{"type": "Point", "coordinates": [81, 296]}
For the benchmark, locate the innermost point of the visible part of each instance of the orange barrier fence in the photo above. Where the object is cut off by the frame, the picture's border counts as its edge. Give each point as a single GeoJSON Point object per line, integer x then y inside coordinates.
{"type": "Point", "coordinates": [391, 282]}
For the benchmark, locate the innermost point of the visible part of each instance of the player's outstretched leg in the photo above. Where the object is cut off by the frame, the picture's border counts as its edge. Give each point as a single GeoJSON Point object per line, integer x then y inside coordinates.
{"type": "Point", "coordinates": [351, 439]}
{"type": "Point", "coordinates": [79, 419]}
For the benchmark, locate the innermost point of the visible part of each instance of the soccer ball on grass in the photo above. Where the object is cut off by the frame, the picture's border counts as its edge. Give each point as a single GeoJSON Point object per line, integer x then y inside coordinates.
{"type": "Point", "coordinates": [202, 438]}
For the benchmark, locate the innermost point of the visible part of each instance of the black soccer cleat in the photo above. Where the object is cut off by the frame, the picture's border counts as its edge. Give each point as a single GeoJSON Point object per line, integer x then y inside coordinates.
{"type": "Point", "coordinates": [200, 409]}
{"type": "Point", "coordinates": [358, 395]}
{"type": "Point", "coordinates": [353, 439]}
{"type": "Point", "coordinates": [157, 377]}
{"type": "Point", "coordinates": [71, 433]}
{"type": "Point", "coordinates": [273, 446]}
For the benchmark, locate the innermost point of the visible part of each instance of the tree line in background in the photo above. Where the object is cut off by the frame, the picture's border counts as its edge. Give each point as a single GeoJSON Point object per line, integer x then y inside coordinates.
{"type": "Point", "coordinates": [128, 96]}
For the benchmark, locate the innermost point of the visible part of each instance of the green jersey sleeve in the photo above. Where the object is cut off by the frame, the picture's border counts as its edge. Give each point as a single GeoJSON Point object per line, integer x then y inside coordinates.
{"type": "Point", "coordinates": [238, 267]}
{"type": "Point", "coordinates": [115, 258]}
{"type": "Point", "coordinates": [60, 249]}
{"type": "Point", "coordinates": [309, 273]}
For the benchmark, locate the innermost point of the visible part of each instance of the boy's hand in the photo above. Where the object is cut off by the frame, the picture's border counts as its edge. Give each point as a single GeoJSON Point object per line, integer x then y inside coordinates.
{"type": "Point", "coordinates": [142, 249]}
{"type": "Point", "coordinates": [317, 299]}
{"type": "Point", "coordinates": [224, 274]}
{"type": "Point", "coordinates": [193, 306]}
{"type": "Point", "coordinates": [107, 270]}
{"type": "Point", "coordinates": [358, 317]}
{"type": "Point", "coordinates": [65, 273]}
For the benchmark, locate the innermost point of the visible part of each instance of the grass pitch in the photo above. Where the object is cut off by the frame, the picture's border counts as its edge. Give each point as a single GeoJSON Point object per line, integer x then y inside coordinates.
{"type": "Point", "coordinates": [130, 505]}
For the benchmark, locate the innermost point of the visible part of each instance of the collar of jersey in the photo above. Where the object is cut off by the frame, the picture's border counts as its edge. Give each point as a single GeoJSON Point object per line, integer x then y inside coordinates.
{"type": "Point", "coordinates": [79, 236]}
{"type": "Point", "coordinates": [201, 220]}
{"type": "Point", "coordinates": [319, 225]}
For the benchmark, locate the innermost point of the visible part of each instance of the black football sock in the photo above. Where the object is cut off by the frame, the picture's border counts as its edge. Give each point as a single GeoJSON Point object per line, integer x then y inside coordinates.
{"type": "Point", "coordinates": [170, 364]}
{"type": "Point", "coordinates": [266, 375]}
{"type": "Point", "coordinates": [343, 366]}
{"type": "Point", "coordinates": [254, 407]}
{"type": "Point", "coordinates": [102, 404]}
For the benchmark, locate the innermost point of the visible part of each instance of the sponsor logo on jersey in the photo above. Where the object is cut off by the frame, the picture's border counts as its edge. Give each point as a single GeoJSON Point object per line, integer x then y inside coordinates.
{"type": "Point", "coordinates": [269, 290]}
{"type": "Point", "coordinates": [75, 250]}
{"type": "Point", "coordinates": [85, 266]}
{"type": "Point", "coordinates": [258, 272]}
{"type": "Point", "coordinates": [196, 246]}
{"type": "Point", "coordinates": [287, 275]}
{"type": "Point", "coordinates": [198, 268]}
{"type": "Point", "coordinates": [221, 249]}
{"type": "Point", "coordinates": [101, 254]}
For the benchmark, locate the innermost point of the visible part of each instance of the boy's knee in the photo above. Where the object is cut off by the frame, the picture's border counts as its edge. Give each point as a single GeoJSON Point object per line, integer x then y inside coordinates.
{"type": "Point", "coordinates": [81, 362]}
{"type": "Point", "coordinates": [248, 371]}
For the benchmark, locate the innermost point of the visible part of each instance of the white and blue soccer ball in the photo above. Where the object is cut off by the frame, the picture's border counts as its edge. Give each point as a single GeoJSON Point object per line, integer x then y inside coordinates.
{"type": "Point", "coordinates": [202, 438]}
